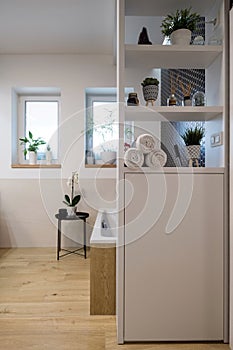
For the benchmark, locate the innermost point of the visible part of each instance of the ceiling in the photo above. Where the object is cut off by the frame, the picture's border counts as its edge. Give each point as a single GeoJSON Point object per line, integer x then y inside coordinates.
{"type": "Point", "coordinates": [57, 26]}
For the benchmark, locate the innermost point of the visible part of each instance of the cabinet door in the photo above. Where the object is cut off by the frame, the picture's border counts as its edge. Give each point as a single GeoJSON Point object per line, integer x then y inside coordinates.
{"type": "Point", "coordinates": [173, 275]}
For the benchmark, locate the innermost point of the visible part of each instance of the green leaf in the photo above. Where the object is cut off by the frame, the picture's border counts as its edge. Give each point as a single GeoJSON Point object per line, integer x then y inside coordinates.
{"type": "Point", "coordinates": [30, 135]}
{"type": "Point", "coordinates": [75, 200]}
{"type": "Point", "coordinates": [67, 198]}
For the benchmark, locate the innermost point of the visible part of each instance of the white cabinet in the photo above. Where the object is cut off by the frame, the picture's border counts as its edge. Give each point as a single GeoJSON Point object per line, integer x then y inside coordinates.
{"type": "Point", "coordinates": [173, 279]}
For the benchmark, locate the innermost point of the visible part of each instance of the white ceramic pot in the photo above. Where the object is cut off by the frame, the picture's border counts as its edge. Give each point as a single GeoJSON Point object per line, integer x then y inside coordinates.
{"type": "Point", "coordinates": [90, 160]}
{"type": "Point", "coordinates": [181, 37]}
{"type": "Point", "coordinates": [71, 211]}
{"type": "Point", "coordinates": [48, 157]}
{"type": "Point", "coordinates": [150, 92]}
{"type": "Point", "coordinates": [32, 157]}
{"type": "Point", "coordinates": [194, 151]}
{"type": "Point", "coordinates": [108, 157]}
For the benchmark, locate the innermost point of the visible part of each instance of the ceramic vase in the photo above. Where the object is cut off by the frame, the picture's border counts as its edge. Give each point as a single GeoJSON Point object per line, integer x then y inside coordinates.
{"type": "Point", "coordinates": [48, 157]}
{"type": "Point", "coordinates": [193, 154]}
{"type": "Point", "coordinates": [71, 211]}
{"type": "Point", "coordinates": [181, 37]}
{"type": "Point", "coordinates": [32, 157]}
{"type": "Point", "coordinates": [150, 93]}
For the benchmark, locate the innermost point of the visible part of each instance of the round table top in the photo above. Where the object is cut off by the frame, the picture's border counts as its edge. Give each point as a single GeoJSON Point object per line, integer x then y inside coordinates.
{"type": "Point", "coordinates": [80, 215]}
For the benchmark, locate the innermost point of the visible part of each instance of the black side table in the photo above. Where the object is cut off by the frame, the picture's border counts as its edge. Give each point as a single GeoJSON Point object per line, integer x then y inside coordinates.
{"type": "Point", "coordinates": [79, 216]}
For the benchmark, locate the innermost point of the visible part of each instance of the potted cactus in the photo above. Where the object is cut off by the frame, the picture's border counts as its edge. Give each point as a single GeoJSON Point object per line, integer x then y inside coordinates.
{"type": "Point", "coordinates": [192, 139]}
{"type": "Point", "coordinates": [150, 89]}
{"type": "Point", "coordinates": [180, 25]}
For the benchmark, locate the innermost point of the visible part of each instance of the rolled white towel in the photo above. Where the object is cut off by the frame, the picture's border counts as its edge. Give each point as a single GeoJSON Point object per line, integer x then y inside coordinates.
{"type": "Point", "coordinates": [147, 143]}
{"type": "Point", "coordinates": [133, 158]}
{"type": "Point", "coordinates": [156, 159]}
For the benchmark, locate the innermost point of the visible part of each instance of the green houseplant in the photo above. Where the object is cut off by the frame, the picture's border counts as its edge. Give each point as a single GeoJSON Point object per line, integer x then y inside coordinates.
{"type": "Point", "coordinates": [72, 201]}
{"type": "Point", "coordinates": [192, 139]}
{"type": "Point", "coordinates": [180, 25]}
{"type": "Point", "coordinates": [150, 89]}
{"type": "Point", "coordinates": [31, 146]}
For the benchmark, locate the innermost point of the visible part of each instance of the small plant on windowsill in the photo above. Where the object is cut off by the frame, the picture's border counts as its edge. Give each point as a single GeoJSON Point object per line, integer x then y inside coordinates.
{"type": "Point", "coordinates": [31, 146]}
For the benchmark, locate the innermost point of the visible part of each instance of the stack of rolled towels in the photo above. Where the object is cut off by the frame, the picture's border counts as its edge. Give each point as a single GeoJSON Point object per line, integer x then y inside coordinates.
{"type": "Point", "coordinates": [147, 152]}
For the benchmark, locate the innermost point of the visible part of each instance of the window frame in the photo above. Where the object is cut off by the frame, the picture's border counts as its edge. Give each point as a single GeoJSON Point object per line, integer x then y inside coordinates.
{"type": "Point", "coordinates": [21, 121]}
{"type": "Point", "coordinates": [90, 99]}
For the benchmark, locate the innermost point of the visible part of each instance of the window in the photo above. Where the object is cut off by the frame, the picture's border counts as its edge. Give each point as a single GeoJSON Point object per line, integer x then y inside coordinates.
{"type": "Point", "coordinates": [102, 129]}
{"type": "Point", "coordinates": [40, 115]}
{"type": "Point", "coordinates": [101, 124]}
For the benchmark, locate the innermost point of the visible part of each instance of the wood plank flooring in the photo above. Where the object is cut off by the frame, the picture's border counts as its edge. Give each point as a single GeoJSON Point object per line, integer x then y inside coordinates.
{"type": "Point", "coordinates": [44, 304]}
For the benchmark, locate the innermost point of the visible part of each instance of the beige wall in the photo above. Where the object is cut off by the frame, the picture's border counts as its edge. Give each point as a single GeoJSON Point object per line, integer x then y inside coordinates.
{"type": "Point", "coordinates": [28, 206]}
{"type": "Point", "coordinates": [29, 198]}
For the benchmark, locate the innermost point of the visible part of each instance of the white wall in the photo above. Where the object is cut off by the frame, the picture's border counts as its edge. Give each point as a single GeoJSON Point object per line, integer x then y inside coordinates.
{"type": "Point", "coordinates": [29, 198]}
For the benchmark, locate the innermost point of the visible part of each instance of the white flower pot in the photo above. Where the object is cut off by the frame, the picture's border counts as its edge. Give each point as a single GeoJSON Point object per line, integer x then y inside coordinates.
{"type": "Point", "coordinates": [108, 157]}
{"type": "Point", "coordinates": [90, 160]}
{"type": "Point", "coordinates": [48, 157]}
{"type": "Point", "coordinates": [71, 211]}
{"type": "Point", "coordinates": [32, 157]}
{"type": "Point", "coordinates": [181, 37]}
{"type": "Point", "coordinates": [150, 92]}
{"type": "Point", "coordinates": [193, 151]}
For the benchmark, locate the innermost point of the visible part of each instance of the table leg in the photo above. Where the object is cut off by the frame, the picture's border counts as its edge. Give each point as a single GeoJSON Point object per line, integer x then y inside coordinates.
{"type": "Point", "coordinates": [84, 239]}
{"type": "Point", "coordinates": [58, 238]}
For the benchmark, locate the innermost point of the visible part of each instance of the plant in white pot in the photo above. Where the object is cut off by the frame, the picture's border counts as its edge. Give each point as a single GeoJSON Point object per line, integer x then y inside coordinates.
{"type": "Point", "coordinates": [192, 139]}
{"type": "Point", "coordinates": [31, 146]}
{"type": "Point", "coordinates": [72, 201]}
{"type": "Point", "coordinates": [150, 89]}
{"type": "Point", "coordinates": [48, 155]}
{"type": "Point", "coordinates": [180, 25]}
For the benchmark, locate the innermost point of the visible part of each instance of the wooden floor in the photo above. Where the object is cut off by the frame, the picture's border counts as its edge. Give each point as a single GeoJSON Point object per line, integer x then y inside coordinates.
{"type": "Point", "coordinates": [44, 304]}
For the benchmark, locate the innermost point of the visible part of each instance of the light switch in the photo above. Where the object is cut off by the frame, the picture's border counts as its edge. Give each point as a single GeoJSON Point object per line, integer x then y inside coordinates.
{"type": "Point", "coordinates": [216, 139]}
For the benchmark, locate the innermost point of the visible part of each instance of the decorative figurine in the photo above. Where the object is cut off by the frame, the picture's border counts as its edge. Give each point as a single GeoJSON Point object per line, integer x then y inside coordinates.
{"type": "Point", "coordinates": [143, 38]}
{"type": "Point", "coordinates": [133, 99]}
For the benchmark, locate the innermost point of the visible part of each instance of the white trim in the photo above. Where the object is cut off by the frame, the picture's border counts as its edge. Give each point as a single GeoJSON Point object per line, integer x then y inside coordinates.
{"type": "Point", "coordinates": [21, 120]}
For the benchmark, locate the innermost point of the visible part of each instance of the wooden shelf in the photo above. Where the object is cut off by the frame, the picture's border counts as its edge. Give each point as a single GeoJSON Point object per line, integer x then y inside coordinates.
{"type": "Point", "coordinates": [171, 56]}
{"type": "Point", "coordinates": [100, 165]}
{"type": "Point", "coordinates": [177, 170]}
{"type": "Point", "coordinates": [164, 113]}
{"type": "Point", "coordinates": [35, 166]}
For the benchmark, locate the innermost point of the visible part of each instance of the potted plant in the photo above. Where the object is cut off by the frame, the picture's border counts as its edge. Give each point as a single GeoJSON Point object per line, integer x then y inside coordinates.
{"type": "Point", "coordinates": [48, 155]}
{"type": "Point", "coordinates": [192, 139]}
{"type": "Point", "coordinates": [150, 89]}
{"type": "Point", "coordinates": [72, 201]}
{"type": "Point", "coordinates": [180, 25]}
{"type": "Point", "coordinates": [31, 146]}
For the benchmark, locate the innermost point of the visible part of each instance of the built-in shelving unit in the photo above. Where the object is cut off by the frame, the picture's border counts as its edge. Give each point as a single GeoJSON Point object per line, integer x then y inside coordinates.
{"type": "Point", "coordinates": [168, 56]}
{"type": "Point", "coordinates": [147, 315]}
